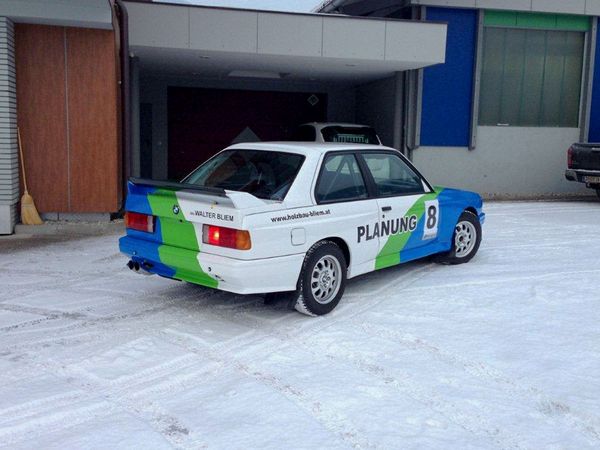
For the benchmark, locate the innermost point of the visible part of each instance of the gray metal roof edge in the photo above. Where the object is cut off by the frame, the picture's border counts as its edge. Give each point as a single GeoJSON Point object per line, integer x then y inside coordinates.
{"type": "Point", "coordinates": [267, 11]}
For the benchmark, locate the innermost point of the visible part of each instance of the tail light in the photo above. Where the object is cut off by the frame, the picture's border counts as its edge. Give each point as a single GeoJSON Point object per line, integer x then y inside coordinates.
{"type": "Point", "coordinates": [226, 237]}
{"type": "Point", "coordinates": [139, 222]}
{"type": "Point", "coordinates": [570, 157]}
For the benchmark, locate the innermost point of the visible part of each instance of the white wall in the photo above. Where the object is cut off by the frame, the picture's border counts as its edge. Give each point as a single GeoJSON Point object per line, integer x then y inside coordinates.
{"type": "Point", "coordinates": [286, 34]}
{"type": "Point", "coordinates": [508, 162]}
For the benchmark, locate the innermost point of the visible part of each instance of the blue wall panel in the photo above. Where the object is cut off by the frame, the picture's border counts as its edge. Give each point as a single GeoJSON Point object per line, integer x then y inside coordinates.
{"type": "Point", "coordinates": [594, 134]}
{"type": "Point", "coordinates": [448, 88]}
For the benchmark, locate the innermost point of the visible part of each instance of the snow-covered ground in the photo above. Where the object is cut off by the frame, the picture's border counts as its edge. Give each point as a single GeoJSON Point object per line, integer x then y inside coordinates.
{"type": "Point", "coordinates": [503, 352]}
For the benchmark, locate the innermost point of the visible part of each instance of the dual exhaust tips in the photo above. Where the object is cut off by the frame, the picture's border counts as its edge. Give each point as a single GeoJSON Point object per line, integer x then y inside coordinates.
{"type": "Point", "coordinates": [139, 268]}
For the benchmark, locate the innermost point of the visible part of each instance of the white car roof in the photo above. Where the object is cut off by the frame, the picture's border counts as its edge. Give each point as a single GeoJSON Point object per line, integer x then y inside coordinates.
{"type": "Point", "coordinates": [305, 148]}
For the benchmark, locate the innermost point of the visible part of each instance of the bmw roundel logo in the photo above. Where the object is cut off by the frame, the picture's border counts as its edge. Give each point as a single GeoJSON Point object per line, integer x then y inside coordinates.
{"type": "Point", "coordinates": [175, 209]}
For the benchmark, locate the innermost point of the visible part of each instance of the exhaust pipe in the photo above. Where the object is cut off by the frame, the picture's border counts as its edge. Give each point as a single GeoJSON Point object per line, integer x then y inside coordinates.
{"type": "Point", "coordinates": [137, 268]}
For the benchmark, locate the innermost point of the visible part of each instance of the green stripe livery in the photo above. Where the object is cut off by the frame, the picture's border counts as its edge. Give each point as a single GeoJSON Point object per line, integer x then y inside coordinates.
{"type": "Point", "coordinates": [390, 253]}
{"type": "Point", "coordinates": [180, 245]}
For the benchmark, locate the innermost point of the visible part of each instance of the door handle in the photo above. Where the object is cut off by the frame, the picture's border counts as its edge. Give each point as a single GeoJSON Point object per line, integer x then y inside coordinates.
{"type": "Point", "coordinates": [386, 208]}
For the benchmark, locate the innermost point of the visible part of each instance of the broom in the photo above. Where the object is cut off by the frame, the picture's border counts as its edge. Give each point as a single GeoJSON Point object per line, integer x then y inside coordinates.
{"type": "Point", "coordinates": [29, 214]}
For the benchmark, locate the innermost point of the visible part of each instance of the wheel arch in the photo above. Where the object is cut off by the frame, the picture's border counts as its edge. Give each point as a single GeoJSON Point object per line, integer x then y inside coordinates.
{"type": "Point", "coordinates": [470, 209]}
{"type": "Point", "coordinates": [342, 244]}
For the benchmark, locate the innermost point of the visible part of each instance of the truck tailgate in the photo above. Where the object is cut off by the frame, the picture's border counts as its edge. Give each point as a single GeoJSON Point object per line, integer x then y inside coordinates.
{"type": "Point", "coordinates": [585, 157]}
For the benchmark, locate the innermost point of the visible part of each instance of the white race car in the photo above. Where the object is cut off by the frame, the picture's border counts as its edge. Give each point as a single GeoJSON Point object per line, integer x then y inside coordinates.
{"type": "Point", "coordinates": [296, 218]}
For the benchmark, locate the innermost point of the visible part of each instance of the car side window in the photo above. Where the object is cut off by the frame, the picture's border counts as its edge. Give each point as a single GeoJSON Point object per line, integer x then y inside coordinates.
{"type": "Point", "coordinates": [392, 176]}
{"type": "Point", "coordinates": [340, 179]}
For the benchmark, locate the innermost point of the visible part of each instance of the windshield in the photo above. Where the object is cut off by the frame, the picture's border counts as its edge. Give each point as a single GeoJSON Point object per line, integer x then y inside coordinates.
{"type": "Point", "coordinates": [350, 135]}
{"type": "Point", "coordinates": [266, 175]}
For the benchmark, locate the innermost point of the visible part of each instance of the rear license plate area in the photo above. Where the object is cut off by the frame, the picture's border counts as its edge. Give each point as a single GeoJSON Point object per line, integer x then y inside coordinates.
{"type": "Point", "coordinates": [593, 180]}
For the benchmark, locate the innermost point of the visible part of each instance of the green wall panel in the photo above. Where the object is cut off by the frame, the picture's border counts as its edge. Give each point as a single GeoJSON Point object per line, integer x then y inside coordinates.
{"type": "Point", "coordinates": [541, 21]}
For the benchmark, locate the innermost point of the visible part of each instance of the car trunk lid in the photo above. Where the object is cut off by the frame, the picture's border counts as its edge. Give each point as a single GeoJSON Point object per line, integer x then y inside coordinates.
{"type": "Point", "coordinates": [180, 210]}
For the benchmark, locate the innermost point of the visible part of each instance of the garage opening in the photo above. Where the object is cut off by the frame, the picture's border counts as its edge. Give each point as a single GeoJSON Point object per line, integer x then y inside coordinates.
{"type": "Point", "coordinates": [201, 121]}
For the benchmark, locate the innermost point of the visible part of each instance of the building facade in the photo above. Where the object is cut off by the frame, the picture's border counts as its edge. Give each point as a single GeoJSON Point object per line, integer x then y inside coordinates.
{"type": "Point", "coordinates": [520, 84]}
{"type": "Point", "coordinates": [481, 94]}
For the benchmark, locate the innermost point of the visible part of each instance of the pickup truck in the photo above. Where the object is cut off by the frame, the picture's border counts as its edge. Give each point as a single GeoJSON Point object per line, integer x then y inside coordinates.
{"type": "Point", "coordinates": [583, 162]}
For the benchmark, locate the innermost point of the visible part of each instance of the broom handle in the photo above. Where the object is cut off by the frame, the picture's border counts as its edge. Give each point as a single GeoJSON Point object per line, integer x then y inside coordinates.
{"type": "Point", "coordinates": [22, 160]}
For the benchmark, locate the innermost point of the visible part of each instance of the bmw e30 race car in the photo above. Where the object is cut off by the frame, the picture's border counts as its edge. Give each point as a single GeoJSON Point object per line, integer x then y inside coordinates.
{"type": "Point", "coordinates": [296, 219]}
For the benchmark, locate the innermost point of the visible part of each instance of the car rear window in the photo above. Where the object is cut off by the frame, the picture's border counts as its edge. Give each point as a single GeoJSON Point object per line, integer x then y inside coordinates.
{"type": "Point", "coordinates": [266, 175]}
{"type": "Point", "coordinates": [352, 135]}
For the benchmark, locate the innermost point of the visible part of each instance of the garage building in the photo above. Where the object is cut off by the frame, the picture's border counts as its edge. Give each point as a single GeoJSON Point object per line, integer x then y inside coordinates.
{"type": "Point", "coordinates": [518, 87]}
{"type": "Point", "coordinates": [483, 94]}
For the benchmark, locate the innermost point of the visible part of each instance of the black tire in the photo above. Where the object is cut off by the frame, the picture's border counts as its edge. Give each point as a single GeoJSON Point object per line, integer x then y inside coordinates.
{"type": "Point", "coordinates": [598, 192]}
{"type": "Point", "coordinates": [460, 252]}
{"type": "Point", "coordinates": [320, 295]}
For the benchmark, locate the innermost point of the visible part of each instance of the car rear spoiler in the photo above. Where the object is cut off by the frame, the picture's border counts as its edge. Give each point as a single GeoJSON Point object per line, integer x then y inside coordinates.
{"type": "Point", "coordinates": [179, 186]}
{"type": "Point", "coordinates": [239, 199]}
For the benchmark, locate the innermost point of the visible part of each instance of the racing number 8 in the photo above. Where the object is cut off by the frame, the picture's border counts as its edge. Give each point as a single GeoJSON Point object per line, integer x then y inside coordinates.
{"type": "Point", "coordinates": [430, 230]}
{"type": "Point", "coordinates": [431, 216]}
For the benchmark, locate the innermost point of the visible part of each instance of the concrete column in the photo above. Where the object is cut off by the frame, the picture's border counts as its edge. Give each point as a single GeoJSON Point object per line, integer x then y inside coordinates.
{"type": "Point", "coordinates": [9, 159]}
{"type": "Point", "coordinates": [398, 128]}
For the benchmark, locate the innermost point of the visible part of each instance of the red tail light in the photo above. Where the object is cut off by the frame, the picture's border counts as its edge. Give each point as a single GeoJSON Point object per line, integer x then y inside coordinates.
{"type": "Point", "coordinates": [139, 222]}
{"type": "Point", "coordinates": [226, 237]}
{"type": "Point", "coordinates": [570, 157]}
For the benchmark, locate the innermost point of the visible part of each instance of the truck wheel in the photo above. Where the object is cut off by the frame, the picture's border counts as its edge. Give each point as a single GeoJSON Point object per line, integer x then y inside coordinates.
{"type": "Point", "coordinates": [322, 279]}
{"type": "Point", "coordinates": [465, 241]}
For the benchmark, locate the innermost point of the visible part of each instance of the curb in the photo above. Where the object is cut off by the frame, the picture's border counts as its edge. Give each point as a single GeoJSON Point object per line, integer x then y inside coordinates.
{"type": "Point", "coordinates": [70, 228]}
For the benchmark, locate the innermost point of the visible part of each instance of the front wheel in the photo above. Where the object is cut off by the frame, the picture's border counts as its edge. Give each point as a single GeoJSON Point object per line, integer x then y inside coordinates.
{"type": "Point", "coordinates": [465, 241]}
{"type": "Point", "coordinates": [322, 279]}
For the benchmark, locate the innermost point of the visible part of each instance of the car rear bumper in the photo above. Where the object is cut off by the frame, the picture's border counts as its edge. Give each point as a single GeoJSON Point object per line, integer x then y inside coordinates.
{"type": "Point", "coordinates": [583, 176]}
{"type": "Point", "coordinates": [228, 274]}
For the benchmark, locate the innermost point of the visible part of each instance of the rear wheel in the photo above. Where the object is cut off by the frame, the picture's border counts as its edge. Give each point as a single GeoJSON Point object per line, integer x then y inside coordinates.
{"type": "Point", "coordinates": [322, 279]}
{"type": "Point", "coordinates": [465, 241]}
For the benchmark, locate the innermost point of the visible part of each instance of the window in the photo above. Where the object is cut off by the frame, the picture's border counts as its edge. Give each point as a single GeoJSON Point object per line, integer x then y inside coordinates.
{"type": "Point", "coordinates": [340, 179]}
{"type": "Point", "coordinates": [392, 176]}
{"type": "Point", "coordinates": [353, 135]}
{"type": "Point", "coordinates": [266, 175]}
{"type": "Point", "coordinates": [531, 77]}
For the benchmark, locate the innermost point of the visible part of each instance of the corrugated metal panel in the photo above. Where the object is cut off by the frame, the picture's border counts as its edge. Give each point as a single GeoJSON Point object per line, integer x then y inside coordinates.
{"type": "Point", "coordinates": [544, 21]}
{"type": "Point", "coordinates": [9, 167]}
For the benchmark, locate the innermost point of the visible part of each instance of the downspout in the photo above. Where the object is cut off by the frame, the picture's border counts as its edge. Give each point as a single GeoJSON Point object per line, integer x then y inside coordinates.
{"type": "Point", "coordinates": [123, 18]}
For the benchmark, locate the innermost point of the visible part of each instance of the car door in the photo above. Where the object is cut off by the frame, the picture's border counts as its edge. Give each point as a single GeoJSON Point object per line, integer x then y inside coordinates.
{"type": "Point", "coordinates": [351, 209]}
{"type": "Point", "coordinates": [408, 208]}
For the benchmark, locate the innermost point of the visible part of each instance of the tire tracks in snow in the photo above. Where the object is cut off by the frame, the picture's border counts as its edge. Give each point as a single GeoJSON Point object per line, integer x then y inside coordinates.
{"type": "Point", "coordinates": [332, 421]}
{"type": "Point", "coordinates": [583, 423]}
{"type": "Point", "coordinates": [474, 423]}
{"type": "Point", "coordinates": [127, 394]}
{"type": "Point", "coordinates": [25, 423]}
